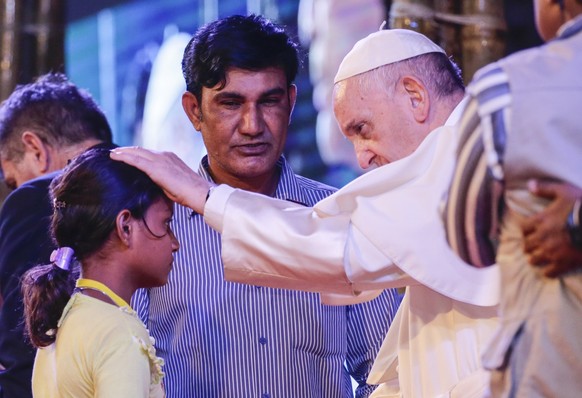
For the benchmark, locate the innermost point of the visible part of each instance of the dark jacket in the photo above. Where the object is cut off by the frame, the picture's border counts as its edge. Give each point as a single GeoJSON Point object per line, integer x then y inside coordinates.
{"type": "Point", "coordinates": [24, 242]}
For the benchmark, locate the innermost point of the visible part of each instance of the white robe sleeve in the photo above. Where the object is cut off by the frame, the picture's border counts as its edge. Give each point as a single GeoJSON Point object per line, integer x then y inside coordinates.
{"type": "Point", "coordinates": [382, 230]}
{"type": "Point", "coordinates": [281, 244]}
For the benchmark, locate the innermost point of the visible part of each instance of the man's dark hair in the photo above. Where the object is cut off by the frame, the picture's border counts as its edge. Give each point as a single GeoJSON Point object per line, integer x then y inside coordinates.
{"type": "Point", "coordinates": [245, 42]}
{"type": "Point", "coordinates": [56, 110]}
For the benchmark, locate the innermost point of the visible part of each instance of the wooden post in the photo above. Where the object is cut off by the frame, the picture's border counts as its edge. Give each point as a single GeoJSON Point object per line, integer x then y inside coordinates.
{"type": "Point", "coordinates": [449, 33]}
{"type": "Point", "coordinates": [32, 41]}
{"type": "Point", "coordinates": [10, 20]}
{"type": "Point", "coordinates": [49, 36]}
{"type": "Point", "coordinates": [483, 39]}
{"type": "Point", "coordinates": [417, 15]}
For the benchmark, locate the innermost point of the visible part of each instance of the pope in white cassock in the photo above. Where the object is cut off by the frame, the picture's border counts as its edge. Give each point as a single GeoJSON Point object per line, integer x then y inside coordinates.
{"type": "Point", "coordinates": [397, 97]}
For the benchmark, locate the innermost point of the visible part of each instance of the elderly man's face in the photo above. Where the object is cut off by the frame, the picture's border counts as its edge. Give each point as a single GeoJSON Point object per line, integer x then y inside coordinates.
{"type": "Point", "coordinates": [379, 125]}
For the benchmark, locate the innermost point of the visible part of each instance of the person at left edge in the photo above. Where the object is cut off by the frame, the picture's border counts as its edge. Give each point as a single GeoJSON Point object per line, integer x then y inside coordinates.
{"type": "Point", "coordinates": [224, 339]}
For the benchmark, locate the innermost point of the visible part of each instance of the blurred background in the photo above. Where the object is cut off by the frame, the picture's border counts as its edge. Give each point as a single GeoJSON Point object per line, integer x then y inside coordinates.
{"type": "Point", "coordinates": [127, 55]}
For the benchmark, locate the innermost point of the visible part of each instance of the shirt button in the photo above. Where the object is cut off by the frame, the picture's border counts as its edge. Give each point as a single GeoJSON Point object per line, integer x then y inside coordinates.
{"type": "Point", "coordinates": [263, 340]}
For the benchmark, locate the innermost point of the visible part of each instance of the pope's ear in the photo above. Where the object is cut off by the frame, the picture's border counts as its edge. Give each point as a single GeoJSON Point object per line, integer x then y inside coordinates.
{"type": "Point", "coordinates": [418, 98]}
{"type": "Point", "coordinates": [192, 108]}
{"type": "Point", "coordinates": [292, 99]}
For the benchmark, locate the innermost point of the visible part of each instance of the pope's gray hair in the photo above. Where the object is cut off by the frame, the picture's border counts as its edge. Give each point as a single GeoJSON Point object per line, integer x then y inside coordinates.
{"type": "Point", "coordinates": [435, 70]}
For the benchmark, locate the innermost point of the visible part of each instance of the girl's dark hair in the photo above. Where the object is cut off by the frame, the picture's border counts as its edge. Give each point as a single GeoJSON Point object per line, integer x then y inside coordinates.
{"type": "Point", "coordinates": [87, 198]}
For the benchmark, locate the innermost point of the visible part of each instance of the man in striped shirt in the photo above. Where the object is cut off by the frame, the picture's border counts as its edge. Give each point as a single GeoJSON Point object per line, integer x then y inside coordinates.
{"type": "Point", "coordinates": [229, 340]}
{"type": "Point", "coordinates": [523, 123]}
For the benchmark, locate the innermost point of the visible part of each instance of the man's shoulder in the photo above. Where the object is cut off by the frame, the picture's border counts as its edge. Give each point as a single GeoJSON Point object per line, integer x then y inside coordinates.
{"type": "Point", "coordinates": [308, 191]}
{"type": "Point", "coordinates": [487, 78]}
{"type": "Point", "coordinates": [32, 192]}
{"type": "Point", "coordinates": [558, 49]}
{"type": "Point", "coordinates": [37, 185]}
{"type": "Point", "coordinates": [24, 228]}
{"type": "Point", "coordinates": [491, 88]}
{"type": "Point", "coordinates": [313, 185]}
{"type": "Point", "coordinates": [297, 188]}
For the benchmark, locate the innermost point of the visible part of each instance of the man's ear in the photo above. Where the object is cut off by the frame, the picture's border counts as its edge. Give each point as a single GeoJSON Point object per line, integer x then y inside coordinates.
{"type": "Point", "coordinates": [292, 99]}
{"type": "Point", "coordinates": [192, 108]}
{"type": "Point", "coordinates": [418, 98]}
{"type": "Point", "coordinates": [38, 151]}
{"type": "Point", "coordinates": [123, 227]}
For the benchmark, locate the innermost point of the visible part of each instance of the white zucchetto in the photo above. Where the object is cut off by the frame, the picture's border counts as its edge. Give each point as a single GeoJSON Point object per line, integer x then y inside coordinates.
{"type": "Point", "coordinates": [382, 48]}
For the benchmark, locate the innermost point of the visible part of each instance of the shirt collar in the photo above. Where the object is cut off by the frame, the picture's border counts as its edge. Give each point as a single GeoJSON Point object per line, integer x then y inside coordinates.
{"type": "Point", "coordinates": [456, 114]}
{"type": "Point", "coordinates": [570, 28]}
{"type": "Point", "coordinates": [287, 189]}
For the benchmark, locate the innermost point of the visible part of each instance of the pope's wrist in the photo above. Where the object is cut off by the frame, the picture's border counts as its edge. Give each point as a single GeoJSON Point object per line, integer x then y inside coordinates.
{"type": "Point", "coordinates": [210, 189]}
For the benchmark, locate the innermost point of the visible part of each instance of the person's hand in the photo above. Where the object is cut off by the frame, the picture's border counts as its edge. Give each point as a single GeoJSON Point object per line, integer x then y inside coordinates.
{"type": "Point", "coordinates": [547, 241]}
{"type": "Point", "coordinates": [180, 183]}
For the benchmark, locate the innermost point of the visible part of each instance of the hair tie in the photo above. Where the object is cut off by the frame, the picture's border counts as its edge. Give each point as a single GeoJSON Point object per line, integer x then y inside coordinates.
{"type": "Point", "coordinates": [62, 257]}
{"type": "Point", "coordinates": [59, 204]}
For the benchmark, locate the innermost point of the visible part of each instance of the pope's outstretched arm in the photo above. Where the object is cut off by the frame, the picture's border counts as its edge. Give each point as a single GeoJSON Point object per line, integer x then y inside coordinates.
{"type": "Point", "coordinates": [365, 237]}
{"type": "Point", "coordinates": [288, 245]}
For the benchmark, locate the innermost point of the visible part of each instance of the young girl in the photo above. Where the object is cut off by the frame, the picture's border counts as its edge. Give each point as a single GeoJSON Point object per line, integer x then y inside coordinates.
{"type": "Point", "coordinates": [113, 221]}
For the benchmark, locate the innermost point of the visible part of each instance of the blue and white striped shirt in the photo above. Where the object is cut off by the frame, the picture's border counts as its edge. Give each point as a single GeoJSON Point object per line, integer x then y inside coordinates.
{"type": "Point", "coordinates": [475, 198]}
{"type": "Point", "coordinates": [225, 339]}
